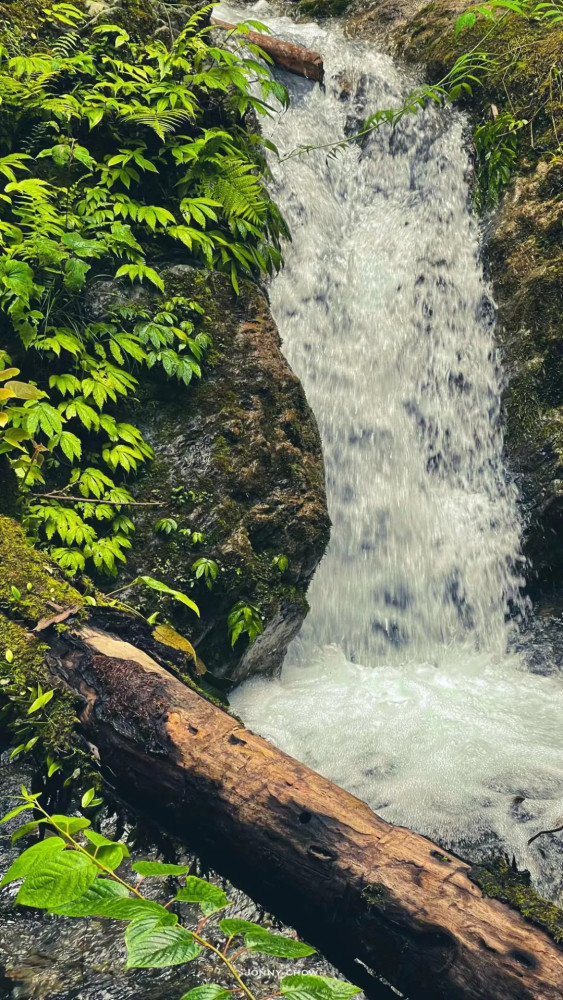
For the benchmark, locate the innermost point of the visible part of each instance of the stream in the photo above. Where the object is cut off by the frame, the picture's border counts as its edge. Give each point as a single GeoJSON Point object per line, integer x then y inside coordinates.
{"type": "Point", "coordinates": [416, 683]}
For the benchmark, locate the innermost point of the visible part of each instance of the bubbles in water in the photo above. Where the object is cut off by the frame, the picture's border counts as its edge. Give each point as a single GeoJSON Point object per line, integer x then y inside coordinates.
{"type": "Point", "coordinates": [403, 688]}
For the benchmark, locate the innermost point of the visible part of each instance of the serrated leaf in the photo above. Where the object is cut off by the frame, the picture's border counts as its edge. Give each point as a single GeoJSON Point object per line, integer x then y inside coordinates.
{"type": "Point", "coordinates": [266, 943]}
{"type": "Point", "coordinates": [15, 812]}
{"type": "Point", "coordinates": [158, 944]}
{"type": "Point", "coordinates": [158, 868]}
{"type": "Point", "coordinates": [61, 878]}
{"type": "Point", "coordinates": [233, 925]}
{"type": "Point", "coordinates": [209, 897]}
{"type": "Point", "coordinates": [305, 987]}
{"type": "Point", "coordinates": [93, 902]}
{"type": "Point", "coordinates": [75, 274]}
{"type": "Point", "coordinates": [208, 991]}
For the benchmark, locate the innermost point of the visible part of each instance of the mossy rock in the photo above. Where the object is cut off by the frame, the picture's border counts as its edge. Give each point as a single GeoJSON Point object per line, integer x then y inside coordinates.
{"type": "Point", "coordinates": [30, 589]}
{"type": "Point", "coordinates": [237, 458]}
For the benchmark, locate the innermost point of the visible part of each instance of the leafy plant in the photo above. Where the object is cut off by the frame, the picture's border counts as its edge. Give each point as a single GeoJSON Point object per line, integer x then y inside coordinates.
{"type": "Point", "coordinates": [76, 873]}
{"type": "Point", "coordinates": [205, 569]}
{"type": "Point", "coordinates": [91, 118]}
{"type": "Point", "coordinates": [281, 562]}
{"type": "Point", "coordinates": [244, 619]}
{"type": "Point", "coordinates": [167, 525]}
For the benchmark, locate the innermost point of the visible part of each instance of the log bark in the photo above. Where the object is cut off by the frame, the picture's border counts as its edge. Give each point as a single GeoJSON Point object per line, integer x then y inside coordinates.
{"type": "Point", "coordinates": [357, 886]}
{"type": "Point", "coordinates": [294, 58]}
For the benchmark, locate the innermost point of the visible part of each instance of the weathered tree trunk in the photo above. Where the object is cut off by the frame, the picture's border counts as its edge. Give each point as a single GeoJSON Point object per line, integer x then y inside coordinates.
{"type": "Point", "coordinates": [296, 842]}
{"type": "Point", "coordinates": [294, 58]}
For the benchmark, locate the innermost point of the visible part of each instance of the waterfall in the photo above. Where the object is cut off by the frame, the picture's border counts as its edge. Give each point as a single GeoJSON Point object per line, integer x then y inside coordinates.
{"type": "Point", "coordinates": [409, 685]}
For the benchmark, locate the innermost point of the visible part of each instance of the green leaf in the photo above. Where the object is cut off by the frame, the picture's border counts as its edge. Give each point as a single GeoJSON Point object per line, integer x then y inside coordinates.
{"type": "Point", "coordinates": [69, 824]}
{"type": "Point", "coordinates": [157, 944]}
{"type": "Point", "coordinates": [108, 855]}
{"type": "Point", "coordinates": [40, 702]}
{"type": "Point", "coordinates": [33, 859]}
{"type": "Point", "coordinates": [465, 20]}
{"type": "Point", "coordinates": [99, 840]}
{"type": "Point", "coordinates": [23, 830]}
{"type": "Point", "coordinates": [208, 991]}
{"type": "Point", "coordinates": [15, 812]}
{"type": "Point", "coordinates": [148, 868]}
{"type": "Point", "coordinates": [209, 897]}
{"type": "Point", "coordinates": [87, 798]}
{"type": "Point", "coordinates": [149, 581]}
{"type": "Point", "coordinates": [304, 987]}
{"type": "Point", "coordinates": [276, 944]}
{"type": "Point", "coordinates": [63, 877]}
{"type": "Point", "coordinates": [75, 274]}
{"type": "Point", "coordinates": [233, 925]}
{"type": "Point", "coordinates": [81, 246]}
{"type": "Point", "coordinates": [94, 902]}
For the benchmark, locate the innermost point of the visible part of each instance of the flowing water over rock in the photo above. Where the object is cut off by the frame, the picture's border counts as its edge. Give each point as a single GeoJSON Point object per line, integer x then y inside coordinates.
{"type": "Point", "coordinates": [409, 685]}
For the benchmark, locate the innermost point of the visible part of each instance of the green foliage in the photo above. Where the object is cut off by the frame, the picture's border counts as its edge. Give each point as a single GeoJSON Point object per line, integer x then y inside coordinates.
{"type": "Point", "coordinates": [75, 873]}
{"type": "Point", "coordinates": [114, 154]}
{"type": "Point", "coordinates": [205, 569]}
{"type": "Point", "coordinates": [244, 619]}
{"type": "Point", "coordinates": [496, 139]}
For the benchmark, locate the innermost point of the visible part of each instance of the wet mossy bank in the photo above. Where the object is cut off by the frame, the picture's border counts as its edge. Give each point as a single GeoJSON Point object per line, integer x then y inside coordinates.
{"type": "Point", "coordinates": [524, 251]}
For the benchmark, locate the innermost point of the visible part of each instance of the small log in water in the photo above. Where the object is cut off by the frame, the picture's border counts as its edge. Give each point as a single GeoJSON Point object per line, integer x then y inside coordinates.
{"type": "Point", "coordinates": [300, 845]}
{"type": "Point", "coordinates": [294, 58]}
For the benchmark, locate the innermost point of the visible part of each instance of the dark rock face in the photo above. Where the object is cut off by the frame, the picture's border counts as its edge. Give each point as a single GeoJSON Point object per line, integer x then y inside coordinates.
{"type": "Point", "coordinates": [237, 458]}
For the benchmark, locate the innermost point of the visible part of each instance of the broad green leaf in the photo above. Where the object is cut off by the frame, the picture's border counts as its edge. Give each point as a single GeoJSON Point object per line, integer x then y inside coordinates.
{"type": "Point", "coordinates": [304, 987]}
{"type": "Point", "coordinates": [81, 246]}
{"type": "Point", "coordinates": [33, 859]}
{"type": "Point", "coordinates": [159, 868]}
{"type": "Point", "coordinates": [209, 897]}
{"type": "Point", "coordinates": [15, 812]}
{"type": "Point", "coordinates": [94, 902]}
{"type": "Point", "coordinates": [149, 581]}
{"type": "Point", "coordinates": [63, 877]}
{"type": "Point", "coordinates": [277, 944]}
{"type": "Point", "coordinates": [69, 824]}
{"type": "Point", "coordinates": [208, 991]}
{"type": "Point", "coordinates": [75, 274]}
{"type": "Point", "coordinates": [156, 944]}
{"type": "Point", "coordinates": [232, 925]}
{"type": "Point", "coordinates": [108, 855]}
{"type": "Point", "coordinates": [23, 830]}
{"type": "Point", "coordinates": [100, 841]}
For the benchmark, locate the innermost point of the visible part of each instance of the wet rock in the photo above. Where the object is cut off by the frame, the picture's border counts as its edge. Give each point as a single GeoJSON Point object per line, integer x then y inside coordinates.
{"type": "Point", "coordinates": [237, 459]}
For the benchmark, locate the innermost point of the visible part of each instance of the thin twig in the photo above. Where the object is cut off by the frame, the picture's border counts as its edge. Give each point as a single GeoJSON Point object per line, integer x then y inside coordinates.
{"type": "Point", "coordinates": [113, 503]}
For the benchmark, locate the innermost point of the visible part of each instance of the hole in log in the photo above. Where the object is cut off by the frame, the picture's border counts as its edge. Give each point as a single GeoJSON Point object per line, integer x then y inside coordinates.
{"type": "Point", "coordinates": [524, 958]}
{"type": "Point", "coordinates": [305, 817]}
{"type": "Point", "coordinates": [320, 854]}
{"type": "Point", "coordinates": [193, 729]}
{"type": "Point", "coordinates": [235, 740]}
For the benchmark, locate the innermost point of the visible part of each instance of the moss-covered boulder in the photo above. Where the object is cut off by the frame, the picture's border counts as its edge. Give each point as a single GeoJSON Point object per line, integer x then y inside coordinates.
{"type": "Point", "coordinates": [238, 461]}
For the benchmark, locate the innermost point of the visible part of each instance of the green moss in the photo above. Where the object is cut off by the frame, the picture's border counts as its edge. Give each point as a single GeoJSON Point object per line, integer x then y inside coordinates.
{"type": "Point", "coordinates": [33, 575]}
{"type": "Point", "coordinates": [323, 8]}
{"type": "Point", "coordinates": [54, 725]}
{"type": "Point", "coordinates": [498, 880]}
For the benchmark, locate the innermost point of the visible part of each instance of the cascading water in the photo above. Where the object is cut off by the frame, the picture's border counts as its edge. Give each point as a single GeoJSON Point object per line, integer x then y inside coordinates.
{"type": "Point", "coordinates": [406, 686]}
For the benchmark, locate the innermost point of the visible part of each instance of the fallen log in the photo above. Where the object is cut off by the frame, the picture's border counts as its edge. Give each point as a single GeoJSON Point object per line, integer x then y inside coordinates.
{"type": "Point", "coordinates": [316, 855]}
{"type": "Point", "coordinates": [294, 58]}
